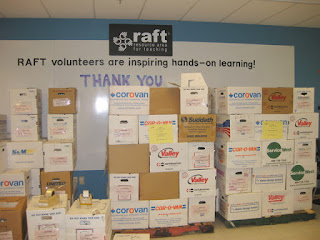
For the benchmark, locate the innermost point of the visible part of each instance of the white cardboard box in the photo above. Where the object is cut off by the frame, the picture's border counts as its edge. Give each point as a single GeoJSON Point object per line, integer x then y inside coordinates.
{"type": "Point", "coordinates": [25, 154]}
{"type": "Point", "coordinates": [129, 100]}
{"type": "Point", "coordinates": [302, 199]}
{"type": "Point", "coordinates": [168, 213]}
{"type": "Point", "coordinates": [302, 176]}
{"type": "Point", "coordinates": [25, 101]}
{"type": "Point", "coordinates": [46, 222]}
{"type": "Point", "coordinates": [303, 125]}
{"type": "Point", "coordinates": [168, 157]}
{"type": "Point", "coordinates": [240, 206]}
{"type": "Point", "coordinates": [62, 126]}
{"type": "Point", "coordinates": [304, 151]}
{"type": "Point", "coordinates": [303, 100]}
{"type": "Point", "coordinates": [3, 126]}
{"type": "Point", "coordinates": [25, 128]}
{"type": "Point", "coordinates": [123, 129]}
{"type": "Point", "coordinates": [195, 100]}
{"type": "Point", "coordinates": [267, 179]}
{"type": "Point", "coordinates": [240, 100]}
{"type": "Point", "coordinates": [239, 154]}
{"type": "Point", "coordinates": [59, 156]}
{"type": "Point", "coordinates": [3, 157]}
{"type": "Point", "coordinates": [89, 223]}
{"type": "Point", "coordinates": [277, 153]}
{"type": "Point", "coordinates": [149, 120]}
{"type": "Point", "coordinates": [130, 215]}
{"type": "Point", "coordinates": [35, 181]}
{"type": "Point", "coordinates": [201, 155]}
{"type": "Point", "coordinates": [15, 183]}
{"type": "Point", "coordinates": [235, 127]}
{"type": "Point", "coordinates": [260, 118]}
{"type": "Point", "coordinates": [277, 203]}
{"type": "Point", "coordinates": [131, 236]}
{"type": "Point", "coordinates": [214, 101]}
{"type": "Point", "coordinates": [197, 183]}
{"type": "Point", "coordinates": [124, 187]}
{"type": "Point", "coordinates": [201, 209]}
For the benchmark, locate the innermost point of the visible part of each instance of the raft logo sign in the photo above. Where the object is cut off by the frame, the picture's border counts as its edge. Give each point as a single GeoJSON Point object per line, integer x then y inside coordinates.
{"type": "Point", "coordinates": [140, 40]}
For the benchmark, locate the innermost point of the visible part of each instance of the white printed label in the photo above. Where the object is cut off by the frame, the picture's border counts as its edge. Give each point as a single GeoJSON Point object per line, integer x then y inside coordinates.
{"type": "Point", "coordinates": [47, 234]}
{"type": "Point", "coordinates": [244, 207]}
{"type": "Point", "coordinates": [6, 235]}
{"type": "Point", "coordinates": [60, 102]}
{"type": "Point", "coordinates": [124, 192]}
{"type": "Point", "coordinates": [22, 107]}
{"type": "Point", "coordinates": [58, 131]}
{"type": "Point", "coordinates": [58, 160]}
{"type": "Point", "coordinates": [123, 133]}
{"type": "Point", "coordinates": [194, 102]}
{"type": "Point", "coordinates": [239, 184]}
{"type": "Point", "coordinates": [269, 179]}
{"type": "Point", "coordinates": [90, 236]}
{"type": "Point", "coordinates": [23, 132]}
{"type": "Point", "coordinates": [201, 160]}
{"type": "Point", "coordinates": [200, 210]}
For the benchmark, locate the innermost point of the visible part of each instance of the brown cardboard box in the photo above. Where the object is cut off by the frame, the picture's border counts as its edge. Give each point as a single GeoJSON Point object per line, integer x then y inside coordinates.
{"type": "Point", "coordinates": [197, 128]}
{"type": "Point", "coordinates": [164, 101]}
{"type": "Point", "coordinates": [277, 100]}
{"type": "Point", "coordinates": [60, 181]}
{"type": "Point", "coordinates": [13, 217]}
{"type": "Point", "coordinates": [159, 186]}
{"type": "Point", "coordinates": [62, 100]}
{"type": "Point", "coordinates": [131, 158]}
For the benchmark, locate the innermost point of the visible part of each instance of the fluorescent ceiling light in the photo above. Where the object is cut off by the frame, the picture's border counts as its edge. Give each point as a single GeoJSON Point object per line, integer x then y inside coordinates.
{"type": "Point", "coordinates": [296, 1]}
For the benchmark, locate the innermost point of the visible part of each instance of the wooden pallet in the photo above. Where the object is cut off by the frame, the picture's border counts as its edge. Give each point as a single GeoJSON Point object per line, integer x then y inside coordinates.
{"type": "Point", "coordinates": [173, 231]}
{"type": "Point", "coordinates": [304, 215]}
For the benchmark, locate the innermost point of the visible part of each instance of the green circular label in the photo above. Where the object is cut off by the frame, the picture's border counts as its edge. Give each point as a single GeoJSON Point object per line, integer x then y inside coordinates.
{"type": "Point", "coordinates": [274, 150]}
{"type": "Point", "coordinates": [297, 173]}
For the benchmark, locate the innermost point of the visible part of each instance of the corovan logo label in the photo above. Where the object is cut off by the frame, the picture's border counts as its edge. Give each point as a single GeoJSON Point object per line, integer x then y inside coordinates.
{"type": "Point", "coordinates": [129, 95]}
{"type": "Point", "coordinates": [11, 183]}
{"type": "Point", "coordinates": [245, 95]}
{"type": "Point", "coordinates": [129, 210]}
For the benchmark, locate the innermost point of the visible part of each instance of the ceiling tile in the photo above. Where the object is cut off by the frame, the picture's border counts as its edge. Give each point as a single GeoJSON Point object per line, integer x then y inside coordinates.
{"type": "Point", "coordinates": [213, 10]}
{"type": "Point", "coordinates": [256, 11]}
{"type": "Point", "coordinates": [118, 9]}
{"type": "Point", "coordinates": [313, 22]}
{"type": "Point", "coordinates": [69, 8]}
{"type": "Point", "coordinates": [22, 9]}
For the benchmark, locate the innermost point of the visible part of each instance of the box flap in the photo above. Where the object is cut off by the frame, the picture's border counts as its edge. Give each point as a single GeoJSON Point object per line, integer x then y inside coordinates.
{"type": "Point", "coordinates": [192, 80]}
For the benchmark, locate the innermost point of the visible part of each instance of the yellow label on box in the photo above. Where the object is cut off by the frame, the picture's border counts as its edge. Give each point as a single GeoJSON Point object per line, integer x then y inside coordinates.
{"type": "Point", "coordinates": [272, 130]}
{"type": "Point", "coordinates": [160, 133]}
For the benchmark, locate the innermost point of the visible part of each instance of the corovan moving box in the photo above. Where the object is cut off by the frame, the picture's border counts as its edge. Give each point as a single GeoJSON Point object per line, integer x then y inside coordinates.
{"type": "Point", "coordinates": [61, 126]}
{"type": "Point", "coordinates": [15, 183]}
{"type": "Point", "coordinates": [25, 101]}
{"type": "Point", "coordinates": [25, 128]}
{"type": "Point", "coordinates": [164, 101]}
{"type": "Point", "coordinates": [62, 100]}
{"type": "Point", "coordinates": [303, 100]}
{"type": "Point", "coordinates": [277, 100]}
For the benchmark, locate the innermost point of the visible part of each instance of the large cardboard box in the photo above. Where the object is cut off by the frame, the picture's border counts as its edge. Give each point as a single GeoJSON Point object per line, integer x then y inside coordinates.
{"type": "Point", "coordinates": [303, 125]}
{"type": "Point", "coordinates": [303, 100]}
{"type": "Point", "coordinates": [201, 209]}
{"type": "Point", "coordinates": [235, 127]}
{"type": "Point", "coordinates": [123, 129]}
{"type": "Point", "coordinates": [62, 100]}
{"type": "Point", "coordinates": [201, 155]}
{"type": "Point", "coordinates": [129, 100]}
{"type": "Point", "coordinates": [89, 223]}
{"type": "Point", "coordinates": [302, 199]}
{"type": "Point", "coordinates": [302, 176]}
{"type": "Point", "coordinates": [168, 157]}
{"type": "Point", "coordinates": [47, 221]}
{"type": "Point", "coordinates": [124, 187]}
{"type": "Point", "coordinates": [61, 126]}
{"type": "Point", "coordinates": [25, 101]}
{"type": "Point", "coordinates": [164, 101]}
{"type": "Point", "coordinates": [267, 179]}
{"type": "Point", "coordinates": [277, 100]}
{"type": "Point", "coordinates": [25, 128]}
{"type": "Point", "coordinates": [13, 223]}
{"type": "Point", "coordinates": [132, 158]}
{"type": "Point", "coordinates": [3, 127]}
{"type": "Point", "coordinates": [277, 203]}
{"type": "Point", "coordinates": [15, 183]}
{"type": "Point", "coordinates": [3, 157]}
{"type": "Point", "coordinates": [304, 151]}
{"type": "Point", "coordinates": [277, 153]}
{"type": "Point", "coordinates": [35, 181]}
{"type": "Point", "coordinates": [130, 215]}
{"type": "Point", "coordinates": [168, 213]}
{"type": "Point", "coordinates": [197, 128]}
{"type": "Point", "coordinates": [159, 186]}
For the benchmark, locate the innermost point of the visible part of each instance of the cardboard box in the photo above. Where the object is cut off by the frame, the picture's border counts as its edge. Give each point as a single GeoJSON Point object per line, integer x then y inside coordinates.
{"type": "Point", "coordinates": [133, 236]}
{"type": "Point", "coordinates": [302, 176]}
{"type": "Point", "coordinates": [3, 127]}
{"type": "Point", "coordinates": [25, 101]}
{"type": "Point", "coordinates": [59, 156]}
{"type": "Point", "coordinates": [201, 155]}
{"type": "Point", "coordinates": [167, 123]}
{"type": "Point", "coordinates": [164, 101]}
{"type": "Point", "coordinates": [239, 154]}
{"type": "Point", "coordinates": [89, 223]}
{"type": "Point", "coordinates": [15, 183]}
{"type": "Point", "coordinates": [13, 223]}
{"type": "Point", "coordinates": [277, 153]}
{"type": "Point", "coordinates": [168, 213]}
{"type": "Point", "coordinates": [195, 100]}
{"type": "Point", "coordinates": [240, 206]}
{"type": "Point", "coordinates": [269, 179]}
{"type": "Point", "coordinates": [240, 100]}
{"type": "Point", "coordinates": [303, 125]}
{"type": "Point", "coordinates": [124, 187]}
{"type": "Point", "coordinates": [302, 199]}
{"type": "Point", "coordinates": [62, 100]}
{"type": "Point", "coordinates": [62, 126]}
{"type": "Point", "coordinates": [45, 221]}
{"type": "Point", "coordinates": [303, 100]}
{"type": "Point", "coordinates": [214, 101]}
{"type": "Point", "coordinates": [233, 180]}
{"type": "Point", "coordinates": [133, 158]}
{"type": "Point", "coordinates": [277, 203]}
{"type": "Point", "coordinates": [197, 183]}
{"type": "Point", "coordinates": [168, 157]}
{"type": "Point", "coordinates": [129, 100]}
{"type": "Point", "coordinates": [304, 151]}
{"type": "Point", "coordinates": [61, 181]}
{"type": "Point", "coordinates": [25, 154]}
{"type": "Point", "coordinates": [123, 129]}
{"type": "Point", "coordinates": [3, 157]}
{"type": "Point", "coordinates": [159, 186]}
{"type": "Point", "coordinates": [277, 100]}
{"type": "Point", "coordinates": [25, 128]}
{"type": "Point", "coordinates": [201, 209]}
{"type": "Point", "coordinates": [197, 128]}
{"type": "Point", "coordinates": [35, 181]}
{"type": "Point", "coordinates": [232, 128]}
{"type": "Point", "coordinates": [130, 215]}
{"type": "Point", "coordinates": [260, 118]}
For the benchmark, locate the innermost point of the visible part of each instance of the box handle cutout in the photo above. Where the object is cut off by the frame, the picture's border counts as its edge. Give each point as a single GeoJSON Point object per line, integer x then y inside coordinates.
{"type": "Point", "coordinates": [243, 120]}
{"type": "Point", "coordinates": [303, 193]}
{"type": "Point", "coordinates": [201, 148]}
{"type": "Point", "coordinates": [202, 202]}
{"type": "Point", "coordinates": [124, 180]}
{"type": "Point", "coordinates": [57, 150]}
{"type": "Point", "coordinates": [61, 93]}
{"type": "Point", "coordinates": [46, 218]}
{"type": "Point", "coordinates": [194, 93]}
{"type": "Point", "coordinates": [60, 120]}
{"type": "Point", "coordinates": [124, 122]}
{"type": "Point", "coordinates": [305, 144]}
{"type": "Point", "coordinates": [55, 180]}
{"type": "Point", "coordinates": [23, 94]}
{"type": "Point", "coordinates": [2, 220]}
{"type": "Point", "coordinates": [238, 173]}
{"type": "Point", "coordinates": [24, 120]}
{"type": "Point", "coordinates": [304, 93]}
